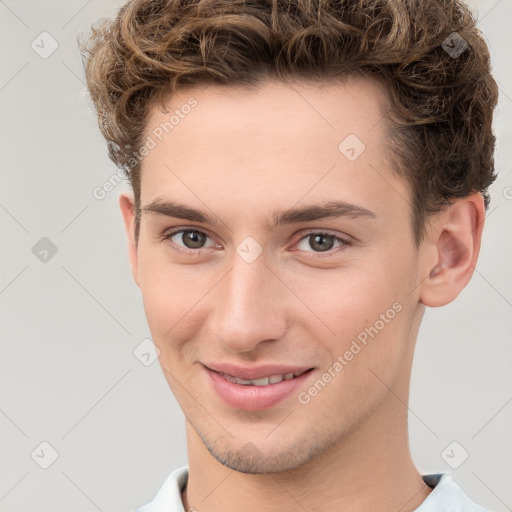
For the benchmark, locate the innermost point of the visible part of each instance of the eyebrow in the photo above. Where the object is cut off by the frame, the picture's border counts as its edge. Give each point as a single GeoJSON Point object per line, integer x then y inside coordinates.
{"type": "Point", "coordinates": [327, 209]}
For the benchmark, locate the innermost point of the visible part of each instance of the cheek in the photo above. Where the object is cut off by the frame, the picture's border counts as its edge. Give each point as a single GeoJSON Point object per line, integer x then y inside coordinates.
{"type": "Point", "coordinates": [351, 299]}
{"type": "Point", "coordinates": [169, 295]}
{"type": "Point", "coordinates": [360, 363]}
{"type": "Point", "coordinates": [368, 312]}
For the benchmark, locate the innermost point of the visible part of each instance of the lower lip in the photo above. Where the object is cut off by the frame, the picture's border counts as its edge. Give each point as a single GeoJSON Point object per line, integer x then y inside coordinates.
{"type": "Point", "coordinates": [254, 398]}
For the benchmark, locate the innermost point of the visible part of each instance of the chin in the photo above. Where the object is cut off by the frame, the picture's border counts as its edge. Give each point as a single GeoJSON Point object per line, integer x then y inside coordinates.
{"type": "Point", "coordinates": [257, 465]}
{"type": "Point", "coordinates": [252, 460]}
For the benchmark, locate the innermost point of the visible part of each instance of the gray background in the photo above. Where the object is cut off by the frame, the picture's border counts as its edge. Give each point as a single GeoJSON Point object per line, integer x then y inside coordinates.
{"type": "Point", "coordinates": [71, 321]}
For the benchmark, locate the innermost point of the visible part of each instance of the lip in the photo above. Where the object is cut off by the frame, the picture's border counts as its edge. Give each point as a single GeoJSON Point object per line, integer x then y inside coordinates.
{"type": "Point", "coordinates": [255, 372]}
{"type": "Point", "coordinates": [255, 398]}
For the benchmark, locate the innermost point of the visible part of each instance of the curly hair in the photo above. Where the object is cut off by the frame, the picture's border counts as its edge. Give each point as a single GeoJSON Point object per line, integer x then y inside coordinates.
{"type": "Point", "coordinates": [428, 54]}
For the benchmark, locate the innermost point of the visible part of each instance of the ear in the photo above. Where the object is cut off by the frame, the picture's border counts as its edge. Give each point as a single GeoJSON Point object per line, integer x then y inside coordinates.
{"type": "Point", "coordinates": [127, 210]}
{"type": "Point", "coordinates": [454, 242]}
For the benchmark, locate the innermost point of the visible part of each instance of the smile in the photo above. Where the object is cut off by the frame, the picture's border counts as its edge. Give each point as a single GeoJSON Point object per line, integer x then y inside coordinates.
{"type": "Point", "coordinates": [264, 381]}
{"type": "Point", "coordinates": [259, 393]}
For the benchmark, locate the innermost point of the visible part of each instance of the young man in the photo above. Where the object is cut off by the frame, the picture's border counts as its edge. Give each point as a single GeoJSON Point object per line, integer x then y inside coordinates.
{"type": "Point", "coordinates": [308, 176]}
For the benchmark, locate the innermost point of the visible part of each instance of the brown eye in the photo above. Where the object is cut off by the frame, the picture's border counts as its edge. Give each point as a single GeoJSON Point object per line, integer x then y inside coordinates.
{"type": "Point", "coordinates": [320, 242]}
{"type": "Point", "coordinates": [193, 239]}
{"type": "Point", "coordinates": [188, 240]}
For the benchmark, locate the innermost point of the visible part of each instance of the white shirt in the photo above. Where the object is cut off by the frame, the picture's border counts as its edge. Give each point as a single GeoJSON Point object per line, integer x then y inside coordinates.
{"type": "Point", "coordinates": [447, 496]}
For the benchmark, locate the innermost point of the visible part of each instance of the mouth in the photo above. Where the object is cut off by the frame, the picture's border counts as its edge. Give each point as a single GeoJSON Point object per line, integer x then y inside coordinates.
{"type": "Point", "coordinates": [263, 381]}
{"type": "Point", "coordinates": [256, 394]}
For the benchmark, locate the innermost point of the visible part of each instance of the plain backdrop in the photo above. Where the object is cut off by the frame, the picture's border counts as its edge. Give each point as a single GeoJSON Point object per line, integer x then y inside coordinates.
{"type": "Point", "coordinates": [76, 394]}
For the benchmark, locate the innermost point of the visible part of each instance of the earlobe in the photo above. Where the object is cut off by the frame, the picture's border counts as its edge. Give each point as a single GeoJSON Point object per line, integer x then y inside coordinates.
{"type": "Point", "coordinates": [126, 205]}
{"type": "Point", "coordinates": [455, 236]}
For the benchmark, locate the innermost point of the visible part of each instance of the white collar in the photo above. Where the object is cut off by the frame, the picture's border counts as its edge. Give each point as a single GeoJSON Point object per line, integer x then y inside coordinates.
{"type": "Point", "coordinates": [446, 496]}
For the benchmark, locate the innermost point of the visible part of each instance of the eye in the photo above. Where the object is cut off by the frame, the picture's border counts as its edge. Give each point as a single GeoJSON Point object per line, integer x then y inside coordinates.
{"type": "Point", "coordinates": [189, 239]}
{"type": "Point", "coordinates": [321, 242]}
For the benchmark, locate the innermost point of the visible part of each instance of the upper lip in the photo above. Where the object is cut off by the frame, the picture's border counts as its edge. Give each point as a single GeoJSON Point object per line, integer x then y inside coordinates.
{"type": "Point", "coordinates": [255, 372]}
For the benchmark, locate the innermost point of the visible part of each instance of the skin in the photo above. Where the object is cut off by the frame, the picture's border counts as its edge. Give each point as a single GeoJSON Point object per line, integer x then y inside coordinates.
{"type": "Point", "coordinates": [239, 155]}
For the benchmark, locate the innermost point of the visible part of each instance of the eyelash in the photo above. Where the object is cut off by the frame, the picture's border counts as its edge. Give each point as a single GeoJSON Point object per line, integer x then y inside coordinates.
{"type": "Point", "coordinates": [166, 237]}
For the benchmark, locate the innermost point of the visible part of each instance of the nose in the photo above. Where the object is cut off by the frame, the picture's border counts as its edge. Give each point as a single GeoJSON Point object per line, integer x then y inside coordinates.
{"type": "Point", "coordinates": [250, 305]}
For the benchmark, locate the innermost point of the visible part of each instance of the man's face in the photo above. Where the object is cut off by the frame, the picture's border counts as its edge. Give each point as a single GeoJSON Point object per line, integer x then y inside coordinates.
{"type": "Point", "coordinates": [239, 289]}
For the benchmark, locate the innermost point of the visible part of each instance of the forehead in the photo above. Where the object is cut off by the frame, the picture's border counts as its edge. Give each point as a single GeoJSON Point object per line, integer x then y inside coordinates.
{"type": "Point", "coordinates": [278, 142]}
{"type": "Point", "coordinates": [291, 110]}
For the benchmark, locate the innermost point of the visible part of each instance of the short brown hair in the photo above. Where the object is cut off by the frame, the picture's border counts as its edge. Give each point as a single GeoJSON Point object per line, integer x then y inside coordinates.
{"type": "Point", "coordinates": [429, 55]}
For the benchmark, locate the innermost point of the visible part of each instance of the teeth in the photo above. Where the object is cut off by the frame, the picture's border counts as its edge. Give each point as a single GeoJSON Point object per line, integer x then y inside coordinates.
{"type": "Point", "coordinates": [264, 381]}
{"type": "Point", "coordinates": [258, 382]}
{"type": "Point", "coordinates": [228, 377]}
